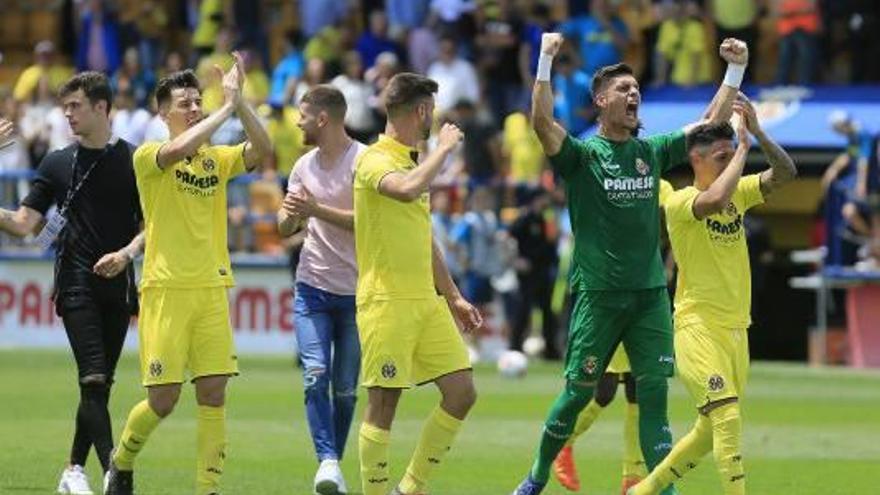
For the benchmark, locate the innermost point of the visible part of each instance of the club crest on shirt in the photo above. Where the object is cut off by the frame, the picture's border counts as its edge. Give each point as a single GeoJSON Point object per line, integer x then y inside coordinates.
{"type": "Point", "coordinates": [642, 167]}
{"type": "Point", "coordinates": [208, 165]}
{"type": "Point", "coordinates": [730, 210]}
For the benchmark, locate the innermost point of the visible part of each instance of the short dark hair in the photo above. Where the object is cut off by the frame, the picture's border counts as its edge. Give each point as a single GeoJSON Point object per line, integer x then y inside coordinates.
{"type": "Point", "coordinates": [94, 84]}
{"type": "Point", "coordinates": [327, 98]}
{"type": "Point", "coordinates": [707, 134]}
{"type": "Point", "coordinates": [181, 79]}
{"type": "Point", "coordinates": [405, 90]}
{"type": "Point", "coordinates": [604, 76]}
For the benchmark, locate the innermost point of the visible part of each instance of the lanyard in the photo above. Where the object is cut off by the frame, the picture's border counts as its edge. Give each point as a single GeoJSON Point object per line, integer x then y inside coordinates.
{"type": "Point", "coordinates": [74, 189]}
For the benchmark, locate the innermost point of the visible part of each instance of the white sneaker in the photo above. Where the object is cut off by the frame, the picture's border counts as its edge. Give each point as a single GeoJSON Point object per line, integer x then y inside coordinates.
{"type": "Point", "coordinates": [328, 479]}
{"type": "Point", "coordinates": [74, 482]}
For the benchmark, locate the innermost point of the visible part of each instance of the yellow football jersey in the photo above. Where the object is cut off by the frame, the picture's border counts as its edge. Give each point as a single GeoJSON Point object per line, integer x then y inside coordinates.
{"type": "Point", "coordinates": [185, 216]}
{"type": "Point", "coordinates": [392, 238]}
{"type": "Point", "coordinates": [714, 282]}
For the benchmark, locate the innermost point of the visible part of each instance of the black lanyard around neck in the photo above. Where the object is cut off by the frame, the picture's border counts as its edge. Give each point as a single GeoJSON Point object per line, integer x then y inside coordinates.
{"type": "Point", "coordinates": [74, 189]}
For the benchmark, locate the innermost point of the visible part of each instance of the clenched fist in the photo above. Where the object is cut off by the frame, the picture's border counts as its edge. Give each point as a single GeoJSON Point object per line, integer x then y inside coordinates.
{"type": "Point", "coordinates": [551, 43]}
{"type": "Point", "coordinates": [734, 51]}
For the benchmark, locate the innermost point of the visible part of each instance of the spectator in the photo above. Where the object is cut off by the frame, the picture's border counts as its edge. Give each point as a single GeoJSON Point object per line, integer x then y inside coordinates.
{"type": "Point", "coordinates": [265, 200]}
{"type": "Point", "coordinates": [455, 76]}
{"type": "Point", "coordinates": [530, 47]}
{"type": "Point", "coordinates": [328, 45]}
{"type": "Point", "coordinates": [406, 15]}
{"type": "Point", "coordinates": [798, 24]}
{"type": "Point", "coordinates": [522, 150]}
{"type": "Point", "coordinates": [499, 46]}
{"type": "Point", "coordinates": [129, 121]}
{"type": "Point", "coordinates": [35, 125]}
{"type": "Point", "coordinates": [143, 24]}
{"type": "Point", "coordinates": [736, 19]}
{"type": "Point", "coordinates": [422, 49]}
{"type": "Point", "coordinates": [44, 66]}
{"type": "Point", "coordinates": [443, 222]}
{"type": "Point", "coordinates": [572, 103]}
{"type": "Point", "coordinates": [642, 19]}
{"type": "Point", "coordinates": [286, 136]}
{"type": "Point", "coordinates": [360, 120]}
{"type": "Point", "coordinates": [376, 40]}
{"type": "Point", "coordinates": [475, 239]}
{"type": "Point", "coordinates": [387, 65]}
{"type": "Point", "coordinates": [289, 69]}
{"type": "Point", "coordinates": [212, 92]}
{"type": "Point", "coordinates": [250, 25]}
{"type": "Point", "coordinates": [317, 15]}
{"type": "Point", "coordinates": [14, 157]}
{"type": "Point", "coordinates": [601, 36]}
{"type": "Point", "coordinates": [256, 86]}
{"type": "Point", "coordinates": [536, 270]}
{"type": "Point", "coordinates": [139, 79]}
{"type": "Point", "coordinates": [173, 63]}
{"type": "Point", "coordinates": [454, 17]}
{"type": "Point", "coordinates": [481, 147]}
{"type": "Point", "coordinates": [682, 45]}
{"type": "Point", "coordinates": [856, 172]}
{"type": "Point", "coordinates": [98, 46]}
{"type": "Point", "coordinates": [210, 23]}
{"type": "Point", "coordinates": [316, 73]}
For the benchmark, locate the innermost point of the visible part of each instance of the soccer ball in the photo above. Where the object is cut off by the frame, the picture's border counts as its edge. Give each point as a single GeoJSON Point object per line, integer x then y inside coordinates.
{"type": "Point", "coordinates": [513, 364]}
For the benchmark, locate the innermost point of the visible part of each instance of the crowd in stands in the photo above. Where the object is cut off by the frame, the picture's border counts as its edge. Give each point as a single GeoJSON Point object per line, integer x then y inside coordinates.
{"type": "Point", "coordinates": [495, 204]}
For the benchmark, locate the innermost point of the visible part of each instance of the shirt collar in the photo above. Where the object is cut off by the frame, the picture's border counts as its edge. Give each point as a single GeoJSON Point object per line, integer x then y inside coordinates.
{"type": "Point", "coordinates": [396, 146]}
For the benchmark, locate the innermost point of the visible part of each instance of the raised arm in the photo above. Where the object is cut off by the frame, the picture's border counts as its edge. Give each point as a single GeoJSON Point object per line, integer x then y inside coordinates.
{"type": "Point", "coordinates": [549, 132]}
{"type": "Point", "coordinates": [717, 196]}
{"type": "Point", "coordinates": [782, 168]}
{"type": "Point", "coordinates": [190, 140]}
{"type": "Point", "coordinates": [720, 109]}
{"type": "Point", "coordinates": [258, 145]}
{"type": "Point", "coordinates": [410, 185]}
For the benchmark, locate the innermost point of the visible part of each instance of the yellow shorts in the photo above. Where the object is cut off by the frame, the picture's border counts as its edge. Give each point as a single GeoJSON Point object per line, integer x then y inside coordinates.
{"type": "Point", "coordinates": [182, 329]}
{"type": "Point", "coordinates": [619, 361]}
{"type": "Point", "coordinates": [712, 363]}
{"type": "Point", "coordinates": [406, 342]}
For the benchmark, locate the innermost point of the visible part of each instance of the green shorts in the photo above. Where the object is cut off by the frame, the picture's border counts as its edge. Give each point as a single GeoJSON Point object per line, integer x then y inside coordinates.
{"type": "Point", "coordinates": [600, 320]}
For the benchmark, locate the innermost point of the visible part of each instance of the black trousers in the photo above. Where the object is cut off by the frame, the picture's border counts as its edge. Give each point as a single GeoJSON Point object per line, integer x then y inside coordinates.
{"type": "Point", "coordinates": [96, 319]}
{"type": "Point", "coordinates": [536, 289]}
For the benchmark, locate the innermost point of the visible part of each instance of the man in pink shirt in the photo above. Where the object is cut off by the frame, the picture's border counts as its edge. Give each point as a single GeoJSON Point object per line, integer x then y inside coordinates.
{"type": "Point", "coordinates": [319, 199]}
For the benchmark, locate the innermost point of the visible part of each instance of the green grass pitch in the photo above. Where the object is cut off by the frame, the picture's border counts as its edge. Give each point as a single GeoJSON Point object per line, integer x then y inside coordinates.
{"type": "Point", "coordinates": [807, 431]}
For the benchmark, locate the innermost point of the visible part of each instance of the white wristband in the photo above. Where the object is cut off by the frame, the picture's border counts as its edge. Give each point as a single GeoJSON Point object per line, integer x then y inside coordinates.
{"type": "Point", "coordinates": [544, 63]}
{"type": "Point", "coordinates": [734, 75]}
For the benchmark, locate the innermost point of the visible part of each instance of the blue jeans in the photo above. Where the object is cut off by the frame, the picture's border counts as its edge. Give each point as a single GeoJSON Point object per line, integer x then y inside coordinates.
{"type": "Point", "coordinates": [797, 50]}
{"type": "Point", "coordinates": [330, 351]}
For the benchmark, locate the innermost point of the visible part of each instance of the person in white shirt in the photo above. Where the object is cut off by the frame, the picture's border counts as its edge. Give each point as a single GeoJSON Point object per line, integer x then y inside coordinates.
{"type": "Point", "coordinates": [456, 77]}
{"type": "Point", "coordinates": [360, 121]}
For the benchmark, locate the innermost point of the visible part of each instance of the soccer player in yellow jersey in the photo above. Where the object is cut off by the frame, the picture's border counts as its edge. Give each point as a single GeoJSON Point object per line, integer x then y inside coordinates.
{"type": "Point", "coordinates": [408, 309]}
{"type": "Point", "coordinates": [184, 319]}
{"type": "Point", "coordinates": [712, 300]}
{"type": "Point", "coordinates": [618, 371]}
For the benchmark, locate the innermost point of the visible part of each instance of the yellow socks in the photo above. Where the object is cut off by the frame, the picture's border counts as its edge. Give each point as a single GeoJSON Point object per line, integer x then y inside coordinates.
{"type": "Point", "coordinates": [437, 436]}
{"type": "Point", "coordinates": [684, 457]}
{"type": "Point", "coordinates": [726, 433]}
{"type": "Point", "coordinates": [373, 449]}
{"type": "Point", "coordinates": [142, 420]}
{"type": "Point", "coordinates": [211, 441]}
{"type": "Point", "coordinates": [585, 420]}
{"type": "Point", "coordinates": [633, 461]}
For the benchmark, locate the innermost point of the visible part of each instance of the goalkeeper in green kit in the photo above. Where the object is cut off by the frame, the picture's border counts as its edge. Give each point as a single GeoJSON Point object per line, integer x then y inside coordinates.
{"type": "Point", "coordinates": [611, 182]}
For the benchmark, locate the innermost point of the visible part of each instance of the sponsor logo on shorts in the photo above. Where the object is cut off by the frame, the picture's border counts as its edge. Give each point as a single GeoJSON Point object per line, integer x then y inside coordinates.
{"type": "Point", "coordinates": [666, 359]}
{"type": "Point", "coordinates": [716, 383]}
{"type": "Point", "coordinates": [590, 364]}
{"type": "Point", "coordinates": [389, 371]}
{"type": "Point", "coordinates": [155, 368]}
